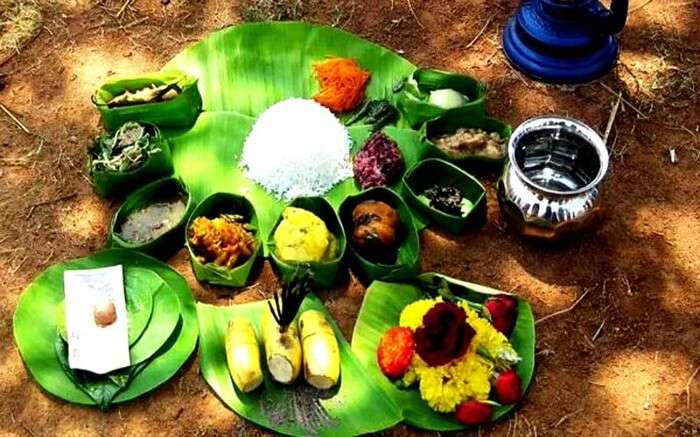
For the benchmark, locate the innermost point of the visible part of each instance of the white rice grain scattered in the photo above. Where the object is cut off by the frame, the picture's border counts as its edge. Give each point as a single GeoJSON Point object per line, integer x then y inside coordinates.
{"type": "Point", "coordinates": [297, 148]}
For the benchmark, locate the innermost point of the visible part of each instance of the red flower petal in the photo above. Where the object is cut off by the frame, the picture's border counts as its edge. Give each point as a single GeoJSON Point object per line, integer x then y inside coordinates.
{"type": "Point", "coordinates": [445, 334]}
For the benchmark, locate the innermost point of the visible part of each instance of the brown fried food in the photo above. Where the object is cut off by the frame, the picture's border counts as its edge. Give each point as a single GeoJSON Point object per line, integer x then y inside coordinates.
{"type": "Point", "coordinates": [224, 241]}
{"type": "Point", "coordinates": [375, 226]}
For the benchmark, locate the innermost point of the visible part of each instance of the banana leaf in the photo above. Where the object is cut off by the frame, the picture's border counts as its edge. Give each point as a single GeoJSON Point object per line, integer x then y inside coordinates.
{"type": "Point", "coordinates": [356, 406]}
{"type": "Point", "coordinates": [206, 159]}
{"type": "Point", "coordinates": [449, 124]}
{"type": "Point", "coordinates": [182, 111]}
{"type": "Point", "coordinates": [140, 286]}
{"type": "Point", "coordinates": [158, 165]}
{"type": "Point", "coordinates": [323, 274]}
{"type": "Point", "coordinates": [35, 329]}
{"type": "Point", "coordinates": [167, 243]}
{"type": "Point", "coordinates": [407, 262]}
{"type": "Point", "coordinates": [430, 172]}
{"type": "Point", "coordinates": [413, 99]}
{"type": "Point", "coordinates": [380, 311]}
{"type": "Point", "coordinates": [212, 207]}
{"type": "Point", "coordinates": [249, 67]}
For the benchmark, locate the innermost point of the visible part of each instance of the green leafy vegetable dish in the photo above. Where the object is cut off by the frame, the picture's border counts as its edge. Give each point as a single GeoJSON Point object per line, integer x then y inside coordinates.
{"type": "Point", "coordinates": [162, 330]}
{"type": "Point", "coordinates": [129, 148]}
{"type": "Point", "coordinates": [451, 354]}
{"type": "Point", "coordinates": [135, 154]}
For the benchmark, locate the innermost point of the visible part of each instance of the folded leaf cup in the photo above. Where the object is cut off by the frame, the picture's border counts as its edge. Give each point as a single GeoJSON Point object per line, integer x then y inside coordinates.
{"type": "Point", "coordinates": [449, 124]}
{"type": "Point", "coordinates": [324, 273]}
{"type": "Point", "coordinates": [115, 183]}
{"type": "Point", "coordinates": [181, 111]}
{"type": "Point", "coordinates": [407, 261]}
{"type": "Point", "coordinates": [413, 99]}
{"type": "Point", "coordinates": [430, 172]}
{"type": "Point", "coordinates": [212, 207]}
{"type": "Point", "coordinates": [157, 192]}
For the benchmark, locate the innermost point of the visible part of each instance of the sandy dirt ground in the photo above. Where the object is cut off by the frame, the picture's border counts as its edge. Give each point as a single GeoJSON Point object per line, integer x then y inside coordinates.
{"type": "Point", "coordinates": [620, 363]}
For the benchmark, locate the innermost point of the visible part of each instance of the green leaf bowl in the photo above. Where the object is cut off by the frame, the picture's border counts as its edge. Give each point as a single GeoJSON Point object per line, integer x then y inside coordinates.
{"type": "Point", "coordinates": [380, 311]}
{"type": "Point", "coordinates": [429, 172]}
{"type": "Point", "coordinates": [212, 207]}
{"type": "Point", "coordinates": [166, 244]}
{"type": "Point", "coordinates": [158, 165]}
{"type": "Point", "coordinates": [449, 124]}
{"type": "Point", "coordinates": [413, 99]}
{"type": "Point", "coordinates": [407, 263]}
{"type": "Point", "coordinates": [324, 274]}
{"type": "Point", "coordinates": [182, 111]}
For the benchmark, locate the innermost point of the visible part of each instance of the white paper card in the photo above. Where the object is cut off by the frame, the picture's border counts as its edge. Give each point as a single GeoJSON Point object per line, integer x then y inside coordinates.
{"type": "Point", "coordinates": [91, 347]}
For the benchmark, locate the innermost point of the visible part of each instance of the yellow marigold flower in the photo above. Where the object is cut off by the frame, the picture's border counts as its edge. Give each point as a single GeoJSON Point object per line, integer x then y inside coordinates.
{"type": "Point", "coordinates": [445, 387]}
{"type": "Point", "coordinates": [412, 314]}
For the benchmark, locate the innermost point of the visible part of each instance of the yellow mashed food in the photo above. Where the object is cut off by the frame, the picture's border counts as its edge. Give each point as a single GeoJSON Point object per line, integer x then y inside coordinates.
{"type": "Point", "coordinates": [302, 236]}
{"type": "Point", "coordinates": [468, 377]}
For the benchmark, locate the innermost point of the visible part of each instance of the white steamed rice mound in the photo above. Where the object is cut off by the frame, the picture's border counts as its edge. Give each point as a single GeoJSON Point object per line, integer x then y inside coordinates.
{"type": "Point", "coordinates": [297, 148]}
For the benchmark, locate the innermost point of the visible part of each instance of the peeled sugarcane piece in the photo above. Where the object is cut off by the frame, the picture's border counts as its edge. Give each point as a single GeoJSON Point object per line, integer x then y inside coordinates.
{"type": "Point", "coordinates": [320, 348]}
{"type": "Point", "coordinates": [282, 349]}
{"type": "Point", "coordinates": [243, 355]}
{"type": "Point", "coordinates": [279, 327]}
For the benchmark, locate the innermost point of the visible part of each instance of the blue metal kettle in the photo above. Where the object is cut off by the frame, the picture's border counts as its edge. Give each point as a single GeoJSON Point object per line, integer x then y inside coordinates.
{"type": "Point", "coordinates": [565, 41]}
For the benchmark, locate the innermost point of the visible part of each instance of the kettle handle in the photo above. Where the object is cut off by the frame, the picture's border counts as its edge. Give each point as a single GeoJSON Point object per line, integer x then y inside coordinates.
{"type": "Point", "coordinates": [610, 21]}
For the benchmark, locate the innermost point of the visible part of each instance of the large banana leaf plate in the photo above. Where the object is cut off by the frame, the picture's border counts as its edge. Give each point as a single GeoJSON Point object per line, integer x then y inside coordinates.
{"type": "Point", "coordinates": [356, 406]}
{"type": "Point", "coordinates": [380, 311]}
{"type": "Point", "coordinates": [245, 69]}
{"type": "Point", "coordinates": [167, 340]}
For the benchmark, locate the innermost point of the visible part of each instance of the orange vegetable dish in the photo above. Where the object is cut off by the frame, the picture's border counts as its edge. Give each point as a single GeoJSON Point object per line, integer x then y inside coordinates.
{"type": "Point", "coordinates": [223, 241]}
{"type": "Point", "coordinates": [342, 82]}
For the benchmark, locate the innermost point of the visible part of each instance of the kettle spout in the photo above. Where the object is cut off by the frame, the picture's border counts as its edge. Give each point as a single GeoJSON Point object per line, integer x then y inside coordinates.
{"type": "Point", "coordinates": [610, 21]}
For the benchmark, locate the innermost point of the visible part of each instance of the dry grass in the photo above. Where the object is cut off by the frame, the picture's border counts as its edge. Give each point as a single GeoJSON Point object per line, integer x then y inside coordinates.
{"type": "Point", "coordinates": [20, 21]}
{"type": "Point", "coordinates": [272, 10]}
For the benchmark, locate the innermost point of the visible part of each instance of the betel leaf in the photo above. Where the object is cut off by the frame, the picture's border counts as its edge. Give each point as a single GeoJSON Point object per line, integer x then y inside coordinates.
{"type": "Point", "coordinates": [36, 341]}
{"type": "Point", "coordinates": [166, 313]}
{"type": "Point", "coordinates": [380, 311]}
{"type": "Point", "coordinates": [356, 406]}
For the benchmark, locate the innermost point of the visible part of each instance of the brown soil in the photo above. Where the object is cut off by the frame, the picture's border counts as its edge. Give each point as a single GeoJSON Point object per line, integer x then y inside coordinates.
{"type": "Point", "coordinates": [620, 363]}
